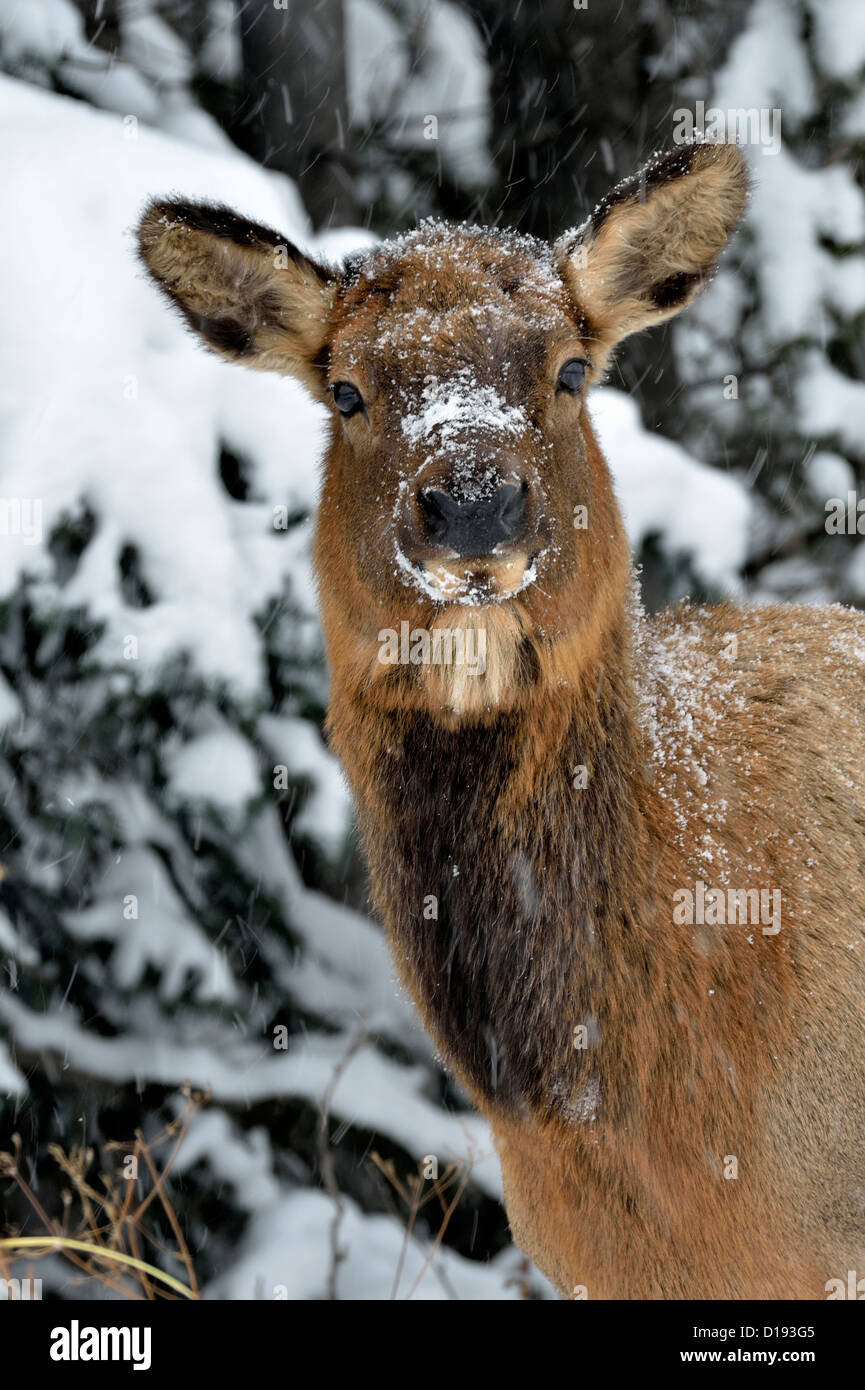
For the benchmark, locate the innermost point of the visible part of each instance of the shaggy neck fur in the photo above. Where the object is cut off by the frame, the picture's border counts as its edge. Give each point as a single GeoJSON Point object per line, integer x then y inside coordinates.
{"type": "Point", "coordinates": [500, 878]}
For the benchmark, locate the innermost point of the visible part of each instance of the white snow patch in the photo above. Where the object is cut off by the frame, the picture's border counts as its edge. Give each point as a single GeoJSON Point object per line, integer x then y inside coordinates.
{"type": "Point", "coordinates": [219, 768]}
{"type": "Point", "coordinates": [117, 405]}
{"type": "Point", "coordinates": [829, 475]}
{"type": "Point", "coordinates": [12, 1083]}
{"type": "Point", "coordinates": [694, 509]}
{"type": "Point", "coordinates": [832, 405]}
{"type": "Point", "coordinates": [286, 1255]}
{"type": "Point", "coordinates": [327, 814]}
{"type": "Point", "coordinates": [839, 31]}
{"type": "Point", "coordinates": [459, 403]}
{"type": "Point", "coordinates": [161, 933]}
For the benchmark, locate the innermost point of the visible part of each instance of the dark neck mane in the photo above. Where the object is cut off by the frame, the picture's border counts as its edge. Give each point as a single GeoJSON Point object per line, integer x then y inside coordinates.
{"type": "Point", "coordinates": [508, 889]}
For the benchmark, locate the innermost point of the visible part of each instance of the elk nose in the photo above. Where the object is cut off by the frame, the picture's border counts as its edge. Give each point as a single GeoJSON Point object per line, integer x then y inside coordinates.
{"type": "Point", "coordinates": [476, 527]}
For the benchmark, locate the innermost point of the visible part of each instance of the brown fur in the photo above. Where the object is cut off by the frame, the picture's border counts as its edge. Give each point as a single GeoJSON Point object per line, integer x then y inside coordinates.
{"type": "Point", "coordinates": [521, 904]}
{"type": "Point", "coordinates": [672, 221]}
{"type": "Point", "coordinates": [252, 296]}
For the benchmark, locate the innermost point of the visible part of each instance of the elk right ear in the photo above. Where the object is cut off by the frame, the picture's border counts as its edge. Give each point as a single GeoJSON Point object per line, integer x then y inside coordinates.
{"type": "Point", "coordinates": [249, 294]}
{"type": "Point", "coordinates": [653, 242]}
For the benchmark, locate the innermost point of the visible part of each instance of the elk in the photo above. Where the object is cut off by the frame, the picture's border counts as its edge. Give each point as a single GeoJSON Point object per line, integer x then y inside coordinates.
{"type": "Point", "coordinates": [554, 838]}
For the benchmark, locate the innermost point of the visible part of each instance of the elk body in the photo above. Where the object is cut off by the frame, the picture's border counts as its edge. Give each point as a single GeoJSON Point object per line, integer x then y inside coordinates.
{"type": "Point", "coordinates": [567, 844]}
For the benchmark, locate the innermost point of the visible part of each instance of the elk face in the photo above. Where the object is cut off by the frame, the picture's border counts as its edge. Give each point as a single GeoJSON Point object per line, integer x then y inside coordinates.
{"type": "Point", "coordinates": [458, 368]}
{"type": "Point", "coordinates": [463, 485]}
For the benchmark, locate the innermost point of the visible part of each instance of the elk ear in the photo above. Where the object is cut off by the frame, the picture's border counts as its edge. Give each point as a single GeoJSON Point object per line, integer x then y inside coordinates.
{"type": "Point", "coordinates": [246, 291]}
{"type": "Point", "coordinates": [652, 243]}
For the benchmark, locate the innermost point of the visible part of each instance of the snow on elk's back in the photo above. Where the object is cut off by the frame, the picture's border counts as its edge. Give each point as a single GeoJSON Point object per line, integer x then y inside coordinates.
{"type": "Point", "coordinates": [706, 675]}
{"type": "Point", "coordinates": [686, 689]}
{"type": "Point", "coordinates": [846, 648]}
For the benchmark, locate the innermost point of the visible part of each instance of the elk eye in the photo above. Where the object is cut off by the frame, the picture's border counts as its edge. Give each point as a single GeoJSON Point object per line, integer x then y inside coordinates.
{"type": "Point", "coordinates": [572, 375]}
{"type": "Point", "coordinates": [347, 398]}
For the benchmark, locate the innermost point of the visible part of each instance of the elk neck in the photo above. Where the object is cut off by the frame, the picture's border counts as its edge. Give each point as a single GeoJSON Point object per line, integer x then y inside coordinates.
{"type": "Point", "coordinates": [507, 886]}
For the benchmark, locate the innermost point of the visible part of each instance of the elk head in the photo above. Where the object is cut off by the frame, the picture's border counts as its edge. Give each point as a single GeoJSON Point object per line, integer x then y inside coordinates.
{"type": "Point", "coordinates": [464, 489]}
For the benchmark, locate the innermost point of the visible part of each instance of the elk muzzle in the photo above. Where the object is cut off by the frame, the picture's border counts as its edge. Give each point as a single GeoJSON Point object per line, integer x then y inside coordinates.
{"type": "Point", "coordinates": [471, 539]}
{"type": "Point", "coordinates": [474, 527]}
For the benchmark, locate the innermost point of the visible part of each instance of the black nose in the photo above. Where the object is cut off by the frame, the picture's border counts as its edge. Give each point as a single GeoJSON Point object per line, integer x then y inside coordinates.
{"type": "Point", "coordinates": [474, 528]}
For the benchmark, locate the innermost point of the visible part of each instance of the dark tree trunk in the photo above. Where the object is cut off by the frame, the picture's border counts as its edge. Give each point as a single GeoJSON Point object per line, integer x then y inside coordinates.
{"type": "Point", "coordinates": [294, 115]}
{"type": "Point", "coordinates": [580, 100]}
{"type": "Point", "coordinates": [101, 23]}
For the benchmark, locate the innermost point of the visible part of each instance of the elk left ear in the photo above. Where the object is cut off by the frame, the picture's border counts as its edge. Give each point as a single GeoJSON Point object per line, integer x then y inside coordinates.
{"type": "Point", "coordinates": [247, 292]}
{"type": "Point", "coordinates": [652, 243]}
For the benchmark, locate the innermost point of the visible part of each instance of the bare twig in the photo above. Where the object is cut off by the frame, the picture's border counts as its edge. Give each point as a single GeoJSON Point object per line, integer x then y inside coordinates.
{"type": "Point", "coordinates": [328, 1172]}
{"type": "Point", "coordinates": [106, 1243]}
{"type": "Point", "coordinates": [416, 1199]}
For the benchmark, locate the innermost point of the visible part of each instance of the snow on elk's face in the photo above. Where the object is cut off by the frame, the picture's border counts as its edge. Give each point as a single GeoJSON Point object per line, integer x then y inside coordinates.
{"type": "Point", "coordinates": [459, 463]}
{"type": "Point", "coordinates": [457, 374]}
{"type": "Point", "coordinates": [462, 473]}
{"type": "Point", "coordinates": [464, 491]}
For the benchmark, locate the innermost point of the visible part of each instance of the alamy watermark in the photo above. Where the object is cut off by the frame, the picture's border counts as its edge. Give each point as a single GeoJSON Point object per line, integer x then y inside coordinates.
{"type": "Point", "coordinates": [442, 646]}
{"type": "Point", "coordinates": [20, 1290]}
{"type": "Point", "coordinates": [77, 1343]}
{"type": "Point", "coordinates": [853, 1288]}
{"type": "Point", "coordinates": [715, 907]}
{"type": "Point", "coordinates": [22, 516]}
{"type": "Point", "coordinates": [845, 517]}
{"type": "Point", "coordinates": [740, 125]}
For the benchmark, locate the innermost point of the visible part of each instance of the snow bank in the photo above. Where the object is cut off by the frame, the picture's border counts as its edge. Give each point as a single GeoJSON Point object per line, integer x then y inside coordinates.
{"type": "Point", "coordinates": [104, 397]}
{"type": "Point", "coordinates": [45, 42]}
{"type": "Point", "coordinates": [694, 510]}
{"type": "Point", "coordinates": [381, 1261]}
